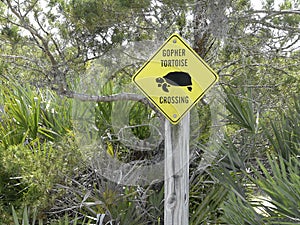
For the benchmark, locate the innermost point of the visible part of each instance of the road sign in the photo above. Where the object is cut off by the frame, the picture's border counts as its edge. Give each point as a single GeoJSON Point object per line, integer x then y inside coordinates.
{"type": "Point", "coordinates": [175, 78]}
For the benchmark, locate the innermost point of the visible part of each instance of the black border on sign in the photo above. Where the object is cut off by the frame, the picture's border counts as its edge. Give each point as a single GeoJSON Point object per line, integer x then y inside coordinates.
{"type": "Point", "coordinates": [200, 96]}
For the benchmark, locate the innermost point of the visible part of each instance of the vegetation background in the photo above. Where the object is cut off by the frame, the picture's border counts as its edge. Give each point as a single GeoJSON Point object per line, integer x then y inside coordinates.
{"type": "Point", "coordinates": [48, 49]}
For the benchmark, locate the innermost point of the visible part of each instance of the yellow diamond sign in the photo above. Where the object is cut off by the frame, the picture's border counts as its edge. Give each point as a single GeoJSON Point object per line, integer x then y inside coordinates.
{"type": "Point", "coordinates": [175, 78]}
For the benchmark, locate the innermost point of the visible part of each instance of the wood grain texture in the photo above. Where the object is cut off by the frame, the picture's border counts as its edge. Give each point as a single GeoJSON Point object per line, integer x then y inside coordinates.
{"type": "Point", "coordinates": [177, 172]}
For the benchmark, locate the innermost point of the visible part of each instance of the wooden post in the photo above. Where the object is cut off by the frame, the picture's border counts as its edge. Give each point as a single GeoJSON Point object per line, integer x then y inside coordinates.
{"type": "Point", "coordinates": [176, 203]}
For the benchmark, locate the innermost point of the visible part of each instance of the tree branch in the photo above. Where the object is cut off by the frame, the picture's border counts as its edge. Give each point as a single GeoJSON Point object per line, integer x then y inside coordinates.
{"type": "Point", "coordinates": [113, 98]}
{"type": "Point", "coordinates": [108, 98]}
{"type": "Point", "coordinates": [275, 13]}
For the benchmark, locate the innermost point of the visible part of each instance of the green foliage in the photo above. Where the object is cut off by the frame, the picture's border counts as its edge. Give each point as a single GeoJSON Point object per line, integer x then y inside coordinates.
{"type": "Point", "coordinates": [233, 159]}
{"type": "Point", "coordinates": [103, 110]}
{"type": "Point", "coordinates": [114, 136]}
{"type": "Point", "coordinates": [201, 132]}
{"type": "Point", "coordinates": [241, 110]}
{"type": "Point", "coordinates": [26, 221]}
{"type": "Point", "coordinates": [34, 169]}
{"type": "Point", "coordinates": [284, 134]}
{"type": "Point", "coordinates": [265, 191]}
{"type": "Point", "coordinates": [31, 114]}
{"type": "Point", "coordinates": [25, 218]}
{"type": "Point", "coordinates": [36, 148]}
{"type": "Point", "coordinates": [256, 53]}
{"type": "Point", "coordinates": [238, 211]}
{"type": "Point", "coordinates": [288, 20]}
{"type": "Point", "coordinates": [116, 203]}
{"type": "Point", "coordinates": [130, 209]}
{"type": "Point", "coordinates": [281, 185]}
{"type": "Point", "coordinates": [206, 200]}
{"type": "Point", "coordinates": [30, 172]}
{"type": "Point", "coordinates": [11, 34]}
{"type": "Point", "coordinates": [140, 116]}
{"type": "Point", "coordinates": [272, 197]}
{"type": "Point", "coordinates": [94, 17]}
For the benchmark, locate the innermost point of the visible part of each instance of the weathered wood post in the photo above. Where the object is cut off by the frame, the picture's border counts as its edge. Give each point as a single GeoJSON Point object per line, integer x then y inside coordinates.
{"type": "Point", "coordinates": [177, 172]}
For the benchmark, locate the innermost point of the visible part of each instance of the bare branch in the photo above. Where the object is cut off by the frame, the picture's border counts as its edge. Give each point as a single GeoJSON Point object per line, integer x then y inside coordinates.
{"type": "Point", "coordinates": [275, 13]}
{"type": "Point", "coordinates": [112, 98]}
{"type": "Point", "coordinates": [109, 98]}
{"type": "Point", "coordinates": [35, 34]}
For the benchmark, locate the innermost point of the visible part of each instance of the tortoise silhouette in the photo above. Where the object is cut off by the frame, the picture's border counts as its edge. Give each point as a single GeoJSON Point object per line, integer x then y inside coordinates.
{"type": "Point", "coordinates": [176, 78]}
